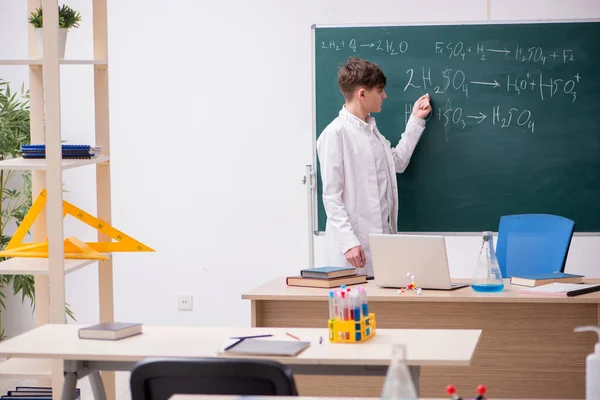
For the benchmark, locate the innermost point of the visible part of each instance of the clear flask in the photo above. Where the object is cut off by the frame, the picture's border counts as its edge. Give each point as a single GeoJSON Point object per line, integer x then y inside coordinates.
{"type": "Point", "coordinates": [398, 382]}
{"type": "Point", "coordinates": [487, 276]}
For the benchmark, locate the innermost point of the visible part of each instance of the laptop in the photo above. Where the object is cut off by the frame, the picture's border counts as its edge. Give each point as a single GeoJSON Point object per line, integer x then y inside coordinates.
{"type": "Point", "coordinates": [395, 256]}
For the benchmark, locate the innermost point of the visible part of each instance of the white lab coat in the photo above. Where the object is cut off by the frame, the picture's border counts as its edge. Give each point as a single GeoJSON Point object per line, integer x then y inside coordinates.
{"type": "Point", "coordinates": [350, 191]}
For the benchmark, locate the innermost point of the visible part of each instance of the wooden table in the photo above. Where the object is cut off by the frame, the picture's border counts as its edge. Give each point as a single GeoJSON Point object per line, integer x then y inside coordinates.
{"type": "Point", "coordinates": [527, 350]}
{"type": "Point", "coordinates": [83, 357]}
{"type": "Point", "coordinates": [212, 397]}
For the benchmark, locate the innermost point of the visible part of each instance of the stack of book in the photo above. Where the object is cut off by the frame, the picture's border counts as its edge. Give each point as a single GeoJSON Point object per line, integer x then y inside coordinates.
{"type": "Point", "coordinates": [34, 393]}
{"type": "Point", "coordinates": [326, 277]}
{"type": "Point", "coordinates": [69, 151]}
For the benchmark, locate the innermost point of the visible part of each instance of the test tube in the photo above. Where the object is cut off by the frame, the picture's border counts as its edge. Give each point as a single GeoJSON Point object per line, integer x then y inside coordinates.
{"type": "Point", "coordinates": [338, 306]}
{"type": "Point", "coordinates": [331, 305]}
{"type": "Point", "coordinates": [342, 311]}
{"type": "Point", "coordinates": [356, 304]}
{"type": "Point", "coordinates": [364, 301]}
{"type": "Point", "coordinates": [344, 307]}
{"type": "Point", "coordinates": [350, 297]}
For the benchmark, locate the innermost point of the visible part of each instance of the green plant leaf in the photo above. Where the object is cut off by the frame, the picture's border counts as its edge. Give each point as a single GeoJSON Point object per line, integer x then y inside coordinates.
{"type": "Point", "coordinates": [67, 17]}
{"type": "Point", "coordinates": [15, 202]}
{"type": "Point", "coordinates": [24, 284]}
{"type": "Point", "coordinates": [70, 312]}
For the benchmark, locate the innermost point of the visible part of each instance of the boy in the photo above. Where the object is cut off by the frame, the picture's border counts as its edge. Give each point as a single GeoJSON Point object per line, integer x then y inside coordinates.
{"type": "Point", "coordinates": [358, 165]}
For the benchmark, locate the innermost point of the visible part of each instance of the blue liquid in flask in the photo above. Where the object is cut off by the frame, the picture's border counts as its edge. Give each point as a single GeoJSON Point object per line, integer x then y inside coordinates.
{"type": "Point", "coordinates": [488, 288]}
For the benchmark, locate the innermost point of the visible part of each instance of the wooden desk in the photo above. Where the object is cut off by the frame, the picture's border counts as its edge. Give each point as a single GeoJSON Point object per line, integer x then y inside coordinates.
{"type": "Point", "coordinates": [211, 397]}
{"type": "Point", "coordinates": [527, 350]}
{"type": "Point", "coordinates": [82, 357]}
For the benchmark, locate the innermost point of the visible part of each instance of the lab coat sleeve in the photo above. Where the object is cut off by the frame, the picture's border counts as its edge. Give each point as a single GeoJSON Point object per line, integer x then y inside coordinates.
{"type": "Point", "coordinates": [330, 150]}
{"type": "Point", "coordinates": [404, 150]}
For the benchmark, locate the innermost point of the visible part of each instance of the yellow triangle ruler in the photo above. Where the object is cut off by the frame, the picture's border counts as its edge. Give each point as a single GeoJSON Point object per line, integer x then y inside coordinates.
{"type": "Point", "coordinates": [74, 248]}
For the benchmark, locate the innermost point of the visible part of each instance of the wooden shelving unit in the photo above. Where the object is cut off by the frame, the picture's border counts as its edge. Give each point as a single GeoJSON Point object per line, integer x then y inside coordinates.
{"type": "Point", "coordinates": [27, 368]}
{"type": "Point", "coordinates": [37, 266]}
{"type": "Point", "coordinates": [44, 84]}
{"type": "Point", "coordinates": [24, 164]}
{"type": "Point", "coordinates": [40, 62]}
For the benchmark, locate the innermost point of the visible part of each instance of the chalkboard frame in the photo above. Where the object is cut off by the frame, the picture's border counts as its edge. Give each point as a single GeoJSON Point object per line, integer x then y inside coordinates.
{"type": "Point", "coordinates": [311, 179]}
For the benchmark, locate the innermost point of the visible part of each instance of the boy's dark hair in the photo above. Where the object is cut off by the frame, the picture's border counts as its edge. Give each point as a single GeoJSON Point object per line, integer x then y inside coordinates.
{"type": "Point", "coordinates": [359, 73]}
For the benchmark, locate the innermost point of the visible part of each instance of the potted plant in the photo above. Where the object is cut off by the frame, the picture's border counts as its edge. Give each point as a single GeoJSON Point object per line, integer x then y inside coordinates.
{"type": "Point", "coordinates": [67, 19]}
{"type": "Point", "coordinates": [15, 199]}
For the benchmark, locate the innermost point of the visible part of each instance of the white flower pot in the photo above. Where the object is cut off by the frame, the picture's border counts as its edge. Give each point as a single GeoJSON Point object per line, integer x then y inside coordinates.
{"type": "Point", "coordinates": [62, 42]}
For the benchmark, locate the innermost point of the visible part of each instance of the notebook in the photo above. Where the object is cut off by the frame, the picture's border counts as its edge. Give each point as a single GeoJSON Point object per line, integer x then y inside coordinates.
{"type": "Point", "coordinates": [69, 151]}
{"type": "Point", "coordinates": [261, 347]}
{"type": "Point", "coordinates": [561, 289]}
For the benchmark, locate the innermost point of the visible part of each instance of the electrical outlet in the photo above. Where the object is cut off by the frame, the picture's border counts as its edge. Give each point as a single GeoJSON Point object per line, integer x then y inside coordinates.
{"type": "Point", "coordinates": [184, 302]}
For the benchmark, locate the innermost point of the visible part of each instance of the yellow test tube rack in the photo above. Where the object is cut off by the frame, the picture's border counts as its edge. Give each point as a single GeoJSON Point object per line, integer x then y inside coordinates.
{"type": "Point", "coordinates": [352, 331]}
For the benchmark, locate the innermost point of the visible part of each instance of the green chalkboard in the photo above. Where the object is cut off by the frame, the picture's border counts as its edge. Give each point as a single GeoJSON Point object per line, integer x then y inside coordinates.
{"type": "Point", "coordinates": [515, 126]}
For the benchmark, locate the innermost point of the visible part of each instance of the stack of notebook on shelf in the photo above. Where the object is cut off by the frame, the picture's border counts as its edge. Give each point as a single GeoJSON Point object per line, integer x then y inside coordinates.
{"type": "Point", "coordinates": [326, 277]}
{"type": "Point", "coordinates": [34, 393]}
{"type": "Point", "coordinates": [69, 151]}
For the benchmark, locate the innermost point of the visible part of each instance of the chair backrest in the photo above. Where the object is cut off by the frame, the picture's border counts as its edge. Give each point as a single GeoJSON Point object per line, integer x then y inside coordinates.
{"type": "Point", "coordinates": [159, 379]}
{"type": "Point", "coordinates": [533, 243]}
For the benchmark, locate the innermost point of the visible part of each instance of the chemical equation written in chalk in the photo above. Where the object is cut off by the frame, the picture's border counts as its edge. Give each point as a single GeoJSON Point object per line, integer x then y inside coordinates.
{"type": "Point", "coordinates": [457, 118]}
{"type": "Point", "coordinates": [460, 50]}
{"type": "Point", "coordinates": [528, 72]}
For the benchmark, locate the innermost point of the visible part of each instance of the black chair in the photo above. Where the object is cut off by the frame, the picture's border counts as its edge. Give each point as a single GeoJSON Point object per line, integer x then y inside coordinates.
{"type": "Point", "coordinates": [159, 379]}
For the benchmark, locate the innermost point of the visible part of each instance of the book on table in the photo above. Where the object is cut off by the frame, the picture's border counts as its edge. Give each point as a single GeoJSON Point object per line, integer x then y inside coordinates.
{"type": "Point", "coordinates": [533, 280]}
{"type": "Point", "coordinates": [110, 330]}
{"type": "Point", "coordinates": [324, 282]}
{"type": "Point", "coordinates": [327, 272]}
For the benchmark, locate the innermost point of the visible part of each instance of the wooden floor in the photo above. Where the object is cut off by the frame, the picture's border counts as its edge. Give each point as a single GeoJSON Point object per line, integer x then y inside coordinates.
{"type": "Point", "coordinates": [122, 384]}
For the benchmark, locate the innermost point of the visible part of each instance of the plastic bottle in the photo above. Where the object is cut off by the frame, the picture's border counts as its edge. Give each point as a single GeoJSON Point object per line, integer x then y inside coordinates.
{"type": "Point", "coordinates": [487, 276]}
{"type": "Point", "coordinates": [398, 380]}
{"type": "Point", "coordinates": [592, 366]}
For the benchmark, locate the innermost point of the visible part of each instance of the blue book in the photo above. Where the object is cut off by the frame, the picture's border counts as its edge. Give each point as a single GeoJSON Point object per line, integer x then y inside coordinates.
{"type": "Point", "coordinates": [85, 147]}
{"type": "Point", "coordinates": [69, 151]}
{"type": "Point", "coordinates": [328, 272]}
{"type": "Point", "coordinates": [533, 280]}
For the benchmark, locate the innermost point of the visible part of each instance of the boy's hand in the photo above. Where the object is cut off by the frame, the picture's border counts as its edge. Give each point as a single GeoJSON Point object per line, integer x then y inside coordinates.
{"type": "Point", "coordinates": [356, 257]}
{"type": "Point", "coordinates": [422, 108]}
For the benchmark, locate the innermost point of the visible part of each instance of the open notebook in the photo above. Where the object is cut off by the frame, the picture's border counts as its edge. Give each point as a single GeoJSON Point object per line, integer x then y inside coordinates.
{"type": "Point", "coordinates": [264, 347]}
{"type": "Point", "coordinates": [561, 289]}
